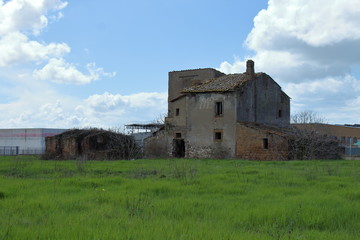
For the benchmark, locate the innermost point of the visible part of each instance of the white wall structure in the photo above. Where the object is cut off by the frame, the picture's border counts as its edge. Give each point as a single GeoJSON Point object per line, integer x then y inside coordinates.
{"type": "Point", "coordinates": [25, 140]}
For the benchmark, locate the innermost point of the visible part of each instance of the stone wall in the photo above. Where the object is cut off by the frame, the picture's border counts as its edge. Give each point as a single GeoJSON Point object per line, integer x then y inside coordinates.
{"type": "Point", "coordinates": [92, 144]}
{"type": "Point", "coordinates": [158, 145]}
{"type": "Point", "coordinates": [262, 101]}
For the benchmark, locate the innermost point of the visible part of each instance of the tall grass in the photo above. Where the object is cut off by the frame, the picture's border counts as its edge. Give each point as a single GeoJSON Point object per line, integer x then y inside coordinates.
{"type": "Point", "coordinates": [179, 199]}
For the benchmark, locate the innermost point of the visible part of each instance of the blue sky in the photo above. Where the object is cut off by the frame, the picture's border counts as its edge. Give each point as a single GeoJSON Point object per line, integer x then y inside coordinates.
{"type": "Point", "coordinates": [143, 40]}
{"type": "Point", "coordinates": [93, 63]}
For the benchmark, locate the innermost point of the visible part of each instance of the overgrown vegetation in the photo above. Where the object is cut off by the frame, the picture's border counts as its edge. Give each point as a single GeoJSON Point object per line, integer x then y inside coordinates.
{"type": "Point", "coordinates": [308, 144]}
{"type": "Point", "coordinates": [179, 199]}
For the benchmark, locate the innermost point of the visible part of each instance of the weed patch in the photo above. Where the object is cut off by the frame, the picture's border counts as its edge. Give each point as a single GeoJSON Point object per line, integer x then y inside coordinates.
{"type": "Point", "coordinates": [137, 205]}
{"type": "Point", "coordinates": [183, 170]}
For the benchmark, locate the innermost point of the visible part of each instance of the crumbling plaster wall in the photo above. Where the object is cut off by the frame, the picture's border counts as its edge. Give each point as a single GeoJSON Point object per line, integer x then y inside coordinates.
{"type": "Point", "coordinates": [177, 119]}
{"type": "Point", "coordinates": [202, 125]}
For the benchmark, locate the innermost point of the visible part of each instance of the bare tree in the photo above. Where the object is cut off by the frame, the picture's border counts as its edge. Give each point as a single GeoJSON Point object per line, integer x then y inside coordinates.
{"type": "Point", "coordinates": [160, 119]}
{"type": "Point", "coordinates": [307, 117]}
{"type": "Point", "coordinates": [308, 144]}
{"type": "Point", "coordinates": [310, 139]}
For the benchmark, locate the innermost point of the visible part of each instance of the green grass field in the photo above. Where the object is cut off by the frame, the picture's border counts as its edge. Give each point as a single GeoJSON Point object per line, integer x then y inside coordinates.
{"type": "Point", "coordinates": [179, 199]}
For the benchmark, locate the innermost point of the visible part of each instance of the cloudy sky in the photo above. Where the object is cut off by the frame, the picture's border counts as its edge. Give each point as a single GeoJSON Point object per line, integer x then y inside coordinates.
{"type": "Point", "coordinates": [67, 64]}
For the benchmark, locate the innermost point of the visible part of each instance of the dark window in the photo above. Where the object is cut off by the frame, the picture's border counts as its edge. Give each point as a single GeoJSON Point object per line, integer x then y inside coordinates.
{"type": "Point", "coordinates": [178, 135]}
{"type": "Point", "coordinates": [177, 112]}
{"type": "Point", "coordinates": [218, 109]}
{"type": "Point", "coordinates": [280, 113]}
{"type": "Point", "coordinates": [218, 136]}
{"type": "Point", "coordinates": [265, 143]}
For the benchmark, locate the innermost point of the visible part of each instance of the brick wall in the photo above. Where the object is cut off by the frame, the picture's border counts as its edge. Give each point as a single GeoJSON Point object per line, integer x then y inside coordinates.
{"type": "Point", "coordinates": [251, 143]}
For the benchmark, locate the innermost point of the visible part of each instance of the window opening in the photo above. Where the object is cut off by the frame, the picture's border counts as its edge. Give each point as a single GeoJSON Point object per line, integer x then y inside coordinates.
{"type": "Point", "coordinates": [218, 108]}
{"type": "Point", "coordinates": [280, 114]}
{"type": "Point", "coordinates": [265, 143]}
{"type": "Point", "coordinates": [177, 112]}
{"type": "Point", "coordinates": [218, 136]}
{"type": "Point", "coordinates": [178, 135]}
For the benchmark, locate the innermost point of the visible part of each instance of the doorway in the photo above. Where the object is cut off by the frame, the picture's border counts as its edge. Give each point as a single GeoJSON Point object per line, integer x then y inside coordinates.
{"type": "Point", "coordinates": [178, 148]}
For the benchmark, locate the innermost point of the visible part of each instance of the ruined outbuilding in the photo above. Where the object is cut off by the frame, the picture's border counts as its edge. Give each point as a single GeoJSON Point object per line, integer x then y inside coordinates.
{"type": "Point", "coordinates": [214, 115]}
{"type": "Point", "coordinates": [90, 144]}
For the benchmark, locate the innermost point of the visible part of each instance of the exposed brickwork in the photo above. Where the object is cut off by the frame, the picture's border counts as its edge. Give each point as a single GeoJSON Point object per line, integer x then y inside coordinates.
{"type": "Point", "coordinates": [250, 143]}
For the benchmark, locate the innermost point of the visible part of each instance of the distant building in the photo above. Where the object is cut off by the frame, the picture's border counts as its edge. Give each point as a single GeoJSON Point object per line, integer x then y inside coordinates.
{"type": "Point", "coordinates": [141, 131]}
{"type": "Point", "coordinates": [214, 115]}
{"type": "Point", "coordinates": [344, 134]}
{"type": "Point", "coordinates": [25, 140]}
{"type": "Point", "coordinates": [348, 136]}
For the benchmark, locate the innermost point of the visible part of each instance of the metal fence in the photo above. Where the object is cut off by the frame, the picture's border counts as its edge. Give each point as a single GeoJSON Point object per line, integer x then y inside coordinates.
{"type": "Point", "coordinates": [9, 150]}
{"type": "Point", "coordinates": [15, 150]}
{"type": "Point", "coordinates": [352, 151]}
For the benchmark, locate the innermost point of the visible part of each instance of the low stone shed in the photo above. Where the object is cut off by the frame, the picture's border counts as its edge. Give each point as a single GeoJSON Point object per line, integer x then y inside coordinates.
{"type": "Point", "coordinates": [91, 144]}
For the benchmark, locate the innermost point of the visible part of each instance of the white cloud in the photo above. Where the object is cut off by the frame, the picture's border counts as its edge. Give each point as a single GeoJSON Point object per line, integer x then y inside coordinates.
{"type": "Point", "coordinates": [38, 105]}
{"type": "Point", "coordinates": [18, 20]}
{"type": "Point", "coordinates": [309, 47]}
{"type": "Point", "coordinates": [27, 102]}
{"type": "Point", "coordinates": [26, 15]}
{"type": "Point", "coordinates": [106, 102]}
{"type": "Point", "coordinates": [16, 48]}
{"type": "Point", "coordinates": [21, 18]}
{"type": "Point", "coordinates": [98, 72]}
{"type": "Point", "coordinates": [147, 101]}
{"type": "Point", "coordinates": [59, 71]}
{"type": "Point", "coordinates": [315, 23]}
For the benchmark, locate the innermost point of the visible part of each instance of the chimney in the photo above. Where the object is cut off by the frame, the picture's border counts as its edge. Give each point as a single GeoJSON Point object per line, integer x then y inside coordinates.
{"type": "Point", "coordinates": [250, 69]}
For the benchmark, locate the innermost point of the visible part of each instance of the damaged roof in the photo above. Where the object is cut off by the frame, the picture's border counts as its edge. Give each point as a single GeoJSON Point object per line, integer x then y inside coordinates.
{"type": "Point", "coordinates": [277, 130]}
{"type": "Point", "coordinates": [224, 83]}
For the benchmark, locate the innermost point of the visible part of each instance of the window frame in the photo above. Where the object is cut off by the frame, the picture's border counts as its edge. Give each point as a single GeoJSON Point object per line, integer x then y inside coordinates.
{"type": "Point", "coordinates": [219, 108]}
{"type": "Point", "coordinates": [218, 135]}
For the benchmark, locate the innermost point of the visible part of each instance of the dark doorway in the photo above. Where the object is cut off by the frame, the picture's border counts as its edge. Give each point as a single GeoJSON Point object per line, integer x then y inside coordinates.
{"type": "Point", "coordinates": [179, 148]}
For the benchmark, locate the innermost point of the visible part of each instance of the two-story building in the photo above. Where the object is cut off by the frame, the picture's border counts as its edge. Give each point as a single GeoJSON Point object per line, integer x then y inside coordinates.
{"type": "Point", "coordinates": [214, 115]}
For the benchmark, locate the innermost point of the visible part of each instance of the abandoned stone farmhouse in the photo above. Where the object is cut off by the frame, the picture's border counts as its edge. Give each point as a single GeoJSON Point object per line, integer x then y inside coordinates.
{"type": "Point", "coordinates": [214, 115]}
